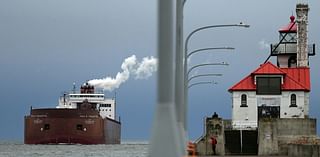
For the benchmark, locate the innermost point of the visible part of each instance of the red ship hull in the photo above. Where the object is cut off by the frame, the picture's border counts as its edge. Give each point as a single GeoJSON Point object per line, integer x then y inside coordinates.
{"type": "Point", "coordinates": [70, 126]}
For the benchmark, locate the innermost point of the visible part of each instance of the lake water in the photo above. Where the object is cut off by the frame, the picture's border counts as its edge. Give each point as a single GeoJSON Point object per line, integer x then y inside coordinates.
{"type": "Point", "coordinates": [126, 149]}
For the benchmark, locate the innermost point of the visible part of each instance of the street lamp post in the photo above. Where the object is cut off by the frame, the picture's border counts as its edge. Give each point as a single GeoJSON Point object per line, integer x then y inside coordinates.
{"type": "Point", "coordinates": [179, 78]}
{"type": "Point", "coordinates": [185, 66]}
{"type": "Point", "coordinates": [166, 111]}
{"type": "Point", "coordinates": [180, 81]}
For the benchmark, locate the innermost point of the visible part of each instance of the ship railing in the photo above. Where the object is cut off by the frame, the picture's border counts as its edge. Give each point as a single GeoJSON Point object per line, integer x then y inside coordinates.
{"type": "Point", "coordinates": [82, 98]}
{"type": "Point", "coordinates": [96, 91]}
{"type": "Point", "coordinates": [87, 95]}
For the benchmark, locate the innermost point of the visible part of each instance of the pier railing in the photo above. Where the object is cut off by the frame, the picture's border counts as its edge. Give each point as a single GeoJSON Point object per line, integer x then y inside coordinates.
{"type": "Point", "coordinates": [290, 48]}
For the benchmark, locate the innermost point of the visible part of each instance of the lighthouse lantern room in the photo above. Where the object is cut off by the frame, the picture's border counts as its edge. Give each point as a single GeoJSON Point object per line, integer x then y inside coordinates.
{"type": "Point", "coordinates": [286, 48]}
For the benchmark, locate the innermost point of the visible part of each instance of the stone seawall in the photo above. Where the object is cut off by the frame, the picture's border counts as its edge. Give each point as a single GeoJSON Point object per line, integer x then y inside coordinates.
{"type": "Point", "coordinates": [276, 134]}
{"type": "Point", "coordinates": [299, 150]}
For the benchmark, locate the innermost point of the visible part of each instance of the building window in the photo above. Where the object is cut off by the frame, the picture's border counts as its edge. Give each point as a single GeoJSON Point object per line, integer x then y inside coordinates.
{"type": "Point", "coordinates": [292, 62]}
{"type": "Point", "coordinates": [244, 100]}
{"type": "Point", "coordinates": [268, 85]}
{"type": "Point", "coordinates": [293, 100]}
{"type": "Point", "coordinates": [288, 37]}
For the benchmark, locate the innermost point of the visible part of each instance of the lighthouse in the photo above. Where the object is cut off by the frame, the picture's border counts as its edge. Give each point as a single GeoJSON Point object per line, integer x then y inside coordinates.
{"type": "Point", "coordinates": [281, 90]}
{"type": "Point", "coordinates": [270, 106]}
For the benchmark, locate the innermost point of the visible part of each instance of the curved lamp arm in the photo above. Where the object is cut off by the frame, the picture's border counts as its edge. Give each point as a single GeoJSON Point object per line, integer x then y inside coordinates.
{"type": "Point", "coordinates": [208, 27]}
{"type": "Point", "coordinates": [199, 83]}
{"type": "Point", "coordinates": [205, 64]}
{"type": "Point", "coordinates": [202, 75]}
{"type": "Point", "coordinates": [209, 48]}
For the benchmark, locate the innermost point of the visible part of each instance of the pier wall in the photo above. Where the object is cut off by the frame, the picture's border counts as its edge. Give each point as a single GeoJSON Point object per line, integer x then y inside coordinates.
{"type": "Point", "coordinates": [298, 150]}
{"type": "Point", "coordinates": [213, 127]}
{"type": "Point", "coordinates": [275, 134]}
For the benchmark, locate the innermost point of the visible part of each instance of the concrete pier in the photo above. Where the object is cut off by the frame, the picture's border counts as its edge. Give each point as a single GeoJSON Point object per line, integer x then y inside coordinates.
{"type": "Point", "coordinates": [243, 156]}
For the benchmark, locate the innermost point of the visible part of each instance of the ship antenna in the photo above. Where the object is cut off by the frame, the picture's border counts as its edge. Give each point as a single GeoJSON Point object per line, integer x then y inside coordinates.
{"type": "Point", "coordinates": [115, 103]}
{"type": "Point", "coordinates": [64, 98]}
{"type": "Point", "coordinates": [74, 88]}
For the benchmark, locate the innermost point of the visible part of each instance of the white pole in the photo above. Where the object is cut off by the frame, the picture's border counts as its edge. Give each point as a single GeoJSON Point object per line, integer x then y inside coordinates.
{"type": "Point", "coordinates": [165, 133]}
{"type": "Point", "coordinates": [179, 79]}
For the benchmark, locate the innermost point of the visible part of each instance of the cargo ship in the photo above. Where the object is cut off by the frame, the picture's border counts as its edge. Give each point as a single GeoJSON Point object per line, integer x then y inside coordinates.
{"type": "Point", "coordinates": [81, 117]}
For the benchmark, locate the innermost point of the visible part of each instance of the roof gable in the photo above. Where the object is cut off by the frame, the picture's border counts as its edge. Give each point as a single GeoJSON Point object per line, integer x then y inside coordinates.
{"type": "Point", "coordinates": [245, 84]}
{"type": "Point", "coordinates": [294, 78]}
{"type": "Point", "coordinates": [268, 68]}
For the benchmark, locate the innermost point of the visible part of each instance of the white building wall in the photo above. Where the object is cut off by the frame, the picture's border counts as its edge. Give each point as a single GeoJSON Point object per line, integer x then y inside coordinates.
{"type": "Point", "coordinates": [244, 117]}
{"type": "Point", "coordinates": [293, 112]}
{"type": "Point", "coordinates": [306, 104]}
{"type": "Point", "coordinates": [247, 117]}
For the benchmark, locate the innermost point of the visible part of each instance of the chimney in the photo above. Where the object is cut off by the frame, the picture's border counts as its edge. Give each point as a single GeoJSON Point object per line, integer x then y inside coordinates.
{"type": "Point", "coordinates": [302, 36]}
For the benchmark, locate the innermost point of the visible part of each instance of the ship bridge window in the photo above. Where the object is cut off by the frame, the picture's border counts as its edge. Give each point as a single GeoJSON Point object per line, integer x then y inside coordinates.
{"type": "Point", "coordinates": [46, 126]}
{"type": "Point", "coordinates": [79, 127]}
{"type": "Point", "coordinates": [105, 105]}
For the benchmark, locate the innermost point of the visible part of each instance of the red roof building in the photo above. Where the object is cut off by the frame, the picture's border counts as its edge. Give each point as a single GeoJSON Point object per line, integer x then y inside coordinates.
{"type": "Point", "coordinates": [276, 91]}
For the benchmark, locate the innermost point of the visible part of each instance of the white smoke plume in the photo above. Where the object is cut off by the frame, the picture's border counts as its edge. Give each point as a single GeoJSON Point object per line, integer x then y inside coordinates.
{"type": "Point", "coordinates": [130, 66]}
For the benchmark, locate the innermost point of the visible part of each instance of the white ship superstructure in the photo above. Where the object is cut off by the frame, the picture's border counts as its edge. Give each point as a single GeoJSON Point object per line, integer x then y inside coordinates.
{"type": "Point", "coordinates": [105, 106]}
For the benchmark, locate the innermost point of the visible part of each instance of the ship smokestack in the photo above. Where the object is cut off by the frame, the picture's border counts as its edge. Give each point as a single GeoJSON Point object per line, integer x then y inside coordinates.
{"type": "Point", "coordinates": [302, 38]}
{"type": "Point", "coordinates": [87, 89]}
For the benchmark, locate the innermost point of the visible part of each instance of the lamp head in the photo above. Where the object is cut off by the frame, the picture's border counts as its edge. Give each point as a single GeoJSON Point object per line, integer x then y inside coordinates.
{"type": "Point", "coordinates": [244, 25]}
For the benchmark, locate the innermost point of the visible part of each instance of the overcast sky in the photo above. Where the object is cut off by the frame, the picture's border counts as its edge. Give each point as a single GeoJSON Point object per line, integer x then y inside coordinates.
{"type": "Point", "coordinates": [46, 45]}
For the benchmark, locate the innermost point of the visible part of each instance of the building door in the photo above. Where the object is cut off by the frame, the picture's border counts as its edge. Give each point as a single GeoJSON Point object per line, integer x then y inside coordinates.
{"type": "Point", "coordinates": [241, 142]}
{"type": "Point", "coordinates": [268, 108]}
{"type": "Point", "coordinates": [268, 112]}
